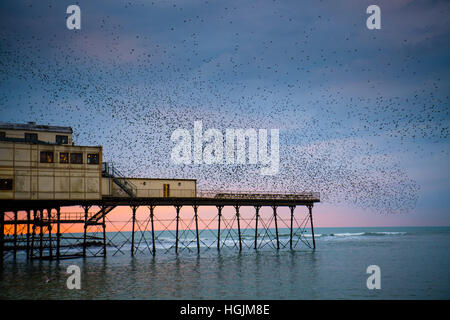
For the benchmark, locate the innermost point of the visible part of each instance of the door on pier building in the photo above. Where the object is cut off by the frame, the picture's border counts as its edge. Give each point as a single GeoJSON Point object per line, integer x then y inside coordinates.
{"type": "Point", "coordinates": [166, 189]}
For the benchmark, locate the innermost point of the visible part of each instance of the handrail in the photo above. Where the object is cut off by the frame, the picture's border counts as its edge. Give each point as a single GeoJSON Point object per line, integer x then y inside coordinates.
{"type": "Point", "coordinates": [109, 170]}
{"type": "Point", "coordinates": [239, 194]}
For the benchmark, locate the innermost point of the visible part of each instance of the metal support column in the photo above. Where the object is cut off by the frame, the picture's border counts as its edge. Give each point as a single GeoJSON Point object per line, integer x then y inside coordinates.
{"type": "Point", "coordinates": [239, 226]}
{"type": "Point", "coordinates": [86, 212]}
{"type": "Point", "coordinates": [41, 232]}
{"type": "Point", "coordinates": [58, 232]}
{"type": "Point", "coordinates": [276, 225]}
{"type": "Point", "coordinates": [256, 225]}
{"type": "Point", "coordinates": [49, 229]}
{"type": "Point", "coordinates": [15, 234]}
{"type": "Point", "coordinates": [132, 231]}
{"type": "Point", "coordinates": [2, 234]}
{"type": "Point", "coordinates": [152, 208]}
{"type": "Point", "coordinates": [196, 226]}
{"type": "Point", "coordinates": [312, 225]}
{"type": "Point", "coordinates": [28, 232]}
{"type": "Point", "coordinates": [33, 234]}
{"type": "Point", "coordinates": [292, 225]}
{"type": "Point", "coordinates": [176, 232]}
{"type": "Point", "coordinates": [219, 214]}
{"type": "Point", "coordinates": [104, 235]}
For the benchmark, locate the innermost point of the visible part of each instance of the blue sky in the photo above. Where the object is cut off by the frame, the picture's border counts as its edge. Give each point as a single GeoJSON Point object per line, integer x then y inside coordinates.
{"type": "Point", "coordinates": [363, 114]}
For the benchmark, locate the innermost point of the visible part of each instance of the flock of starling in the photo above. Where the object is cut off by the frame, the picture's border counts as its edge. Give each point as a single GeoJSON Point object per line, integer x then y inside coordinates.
{"type": "Point", "coordinates": [345, 130]}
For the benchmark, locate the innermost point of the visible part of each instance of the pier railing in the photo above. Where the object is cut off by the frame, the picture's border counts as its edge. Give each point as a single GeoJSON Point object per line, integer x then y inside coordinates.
{"type": "Point", "coordinates": [231, 194]}
{"type": "Point", "coordinates": [227, 194]}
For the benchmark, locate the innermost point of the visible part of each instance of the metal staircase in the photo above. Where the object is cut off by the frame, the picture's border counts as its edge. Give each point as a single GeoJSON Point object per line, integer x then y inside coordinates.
{"type": "Point", "coordinates": [95, 218]}
{"type": "Point", "coordinates": [110, 171]}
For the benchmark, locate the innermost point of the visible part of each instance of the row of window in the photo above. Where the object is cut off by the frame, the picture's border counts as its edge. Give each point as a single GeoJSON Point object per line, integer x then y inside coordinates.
{"type": "Point", "coordinates": [34, 137]}
{"type": "Point", "coordinates": [66, 157]}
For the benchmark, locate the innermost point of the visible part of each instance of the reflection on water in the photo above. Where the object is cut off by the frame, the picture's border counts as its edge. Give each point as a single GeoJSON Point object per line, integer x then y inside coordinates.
{"type": "Point", "coordinates": [412, 266]}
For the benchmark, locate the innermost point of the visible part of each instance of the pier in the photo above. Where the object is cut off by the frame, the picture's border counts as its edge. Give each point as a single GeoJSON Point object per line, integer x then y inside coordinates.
{"type": "Point", "coordinates": [37, 227]}
{"type": "Point", "coordinates": [43, 173]}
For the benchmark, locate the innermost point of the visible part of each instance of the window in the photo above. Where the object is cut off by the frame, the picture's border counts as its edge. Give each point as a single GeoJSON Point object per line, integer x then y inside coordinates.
{"type": "Point", "coordinates": [6, 184]}
{"type": "Point", "coordinates": [46, 156]}
{"type": "Point", "coordinates": [31, 136]}
{"type": "Point", "coordinates": [2, 134]}
{"type": "Point", "coordinates": [92, 158]}
{"type": "Point", "coordinates": [76, 158]}
{"type": "Point", "coordinates": [62, 139]}
{"type": "Point", "coordinates": [63, 157]}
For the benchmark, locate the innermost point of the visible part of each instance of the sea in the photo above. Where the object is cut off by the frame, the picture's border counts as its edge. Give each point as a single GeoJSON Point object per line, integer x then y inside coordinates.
{"type": "Point", "coordinates": [411, 263]}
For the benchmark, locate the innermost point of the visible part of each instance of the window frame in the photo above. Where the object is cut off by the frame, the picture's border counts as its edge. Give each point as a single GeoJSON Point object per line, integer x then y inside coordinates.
{"type": "Point", "coordinates": [67, 157]}
{"type": "Point", "coordinates": [97, 157]}
{"type": "Point", "coordinates": [46, 156]}
{"type": "Point", "coordinates": [72, 158]}
{"type": "Point", "coordinates": [59, 137]}
{"type": "Point", "coordinates": [31, 136]}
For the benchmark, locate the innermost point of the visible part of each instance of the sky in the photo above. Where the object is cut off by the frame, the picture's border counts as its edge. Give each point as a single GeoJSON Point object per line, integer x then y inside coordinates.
{"type": "Point", "coordinates": [363, 114]}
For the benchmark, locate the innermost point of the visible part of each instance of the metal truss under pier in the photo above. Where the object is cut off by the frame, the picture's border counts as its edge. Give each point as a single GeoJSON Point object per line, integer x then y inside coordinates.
{"type": "Point", "coordinates": [43, 231]}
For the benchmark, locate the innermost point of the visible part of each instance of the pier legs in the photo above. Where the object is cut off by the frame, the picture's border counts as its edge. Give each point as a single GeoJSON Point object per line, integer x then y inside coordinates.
{"type": "Point", "coordinates": [256, 225]}
{"type": "Point", "coordinates": [58, 232]}
{"type": "Point", "coordinates": [15, 233]}
{"type": "Point", "coordinates": [152, 208]}
{"type": "Point", "coordinates": [45, 219]}
{"type": "Point", "coordinates": [28, 232]}
{"type": "Point", "coordinates": [86, 212]}
{"type": "Point", "coordinates": [41, 233]}
{"type": "Point", "coordinates": [33, 235]}
{"type": "Point", "coordinates": [276, 225]}
{"type": "Point", "coordinates": [312, 225]}
{"type": "Point", "coordinates": [219, 214]}
{"type": "Point", "coordinates": [292, 225]}
{"type": "Point", "coordinates": [2, 234]}
{"type": "Point", "coordinates": [134, 208]}
{"type": "Point", "coordinates": [176, 232]}
{"type": "Point", "coordinates": [49, 229]}
{"type": "Point", "coordinates": [196, 227]}
{"type": "Point", "coordinates": [239, 226]}
{"type": "Point", "coordinates": [104, 235]}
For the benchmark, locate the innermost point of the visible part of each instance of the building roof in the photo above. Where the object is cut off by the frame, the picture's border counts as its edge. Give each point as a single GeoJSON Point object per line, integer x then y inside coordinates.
{"type": "Point", "coordinates": [32, 126]}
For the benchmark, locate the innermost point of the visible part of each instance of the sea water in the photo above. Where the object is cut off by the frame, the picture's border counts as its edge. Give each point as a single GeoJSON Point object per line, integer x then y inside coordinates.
{"type": "Point", "coordinates": [414, 263]}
